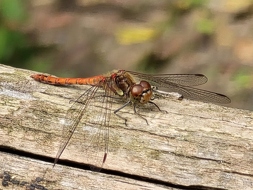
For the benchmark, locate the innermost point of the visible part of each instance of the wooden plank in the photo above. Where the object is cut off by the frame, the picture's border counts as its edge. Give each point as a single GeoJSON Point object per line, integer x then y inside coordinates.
{"type": "Point", "coordinates": [193, 144]}
{"type": "Point", "coordinates": [25, 173]}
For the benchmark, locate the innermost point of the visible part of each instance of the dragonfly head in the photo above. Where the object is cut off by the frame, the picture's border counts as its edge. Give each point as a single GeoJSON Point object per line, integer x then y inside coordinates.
{"type": "Point", "coordinates": [141, 92]}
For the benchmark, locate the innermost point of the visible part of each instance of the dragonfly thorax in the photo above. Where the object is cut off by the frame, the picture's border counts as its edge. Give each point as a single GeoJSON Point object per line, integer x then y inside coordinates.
{"type": "Point", "coordinates": [122, 84]}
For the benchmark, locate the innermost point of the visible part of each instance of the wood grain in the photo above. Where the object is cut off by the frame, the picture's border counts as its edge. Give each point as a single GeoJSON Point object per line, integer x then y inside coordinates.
{"type": "Point", "coordinates": [194, 145]}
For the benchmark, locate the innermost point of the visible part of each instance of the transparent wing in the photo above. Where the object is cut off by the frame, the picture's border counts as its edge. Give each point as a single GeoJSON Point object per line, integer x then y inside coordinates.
{"type": "Point", "coordinates": [166, 79]}
{"type": "Point", "coordinates": [199, 94]}
{"type": "Point", "coordinates": [90, 116]}
{"type": "Point", "coordinates": [182, 85]}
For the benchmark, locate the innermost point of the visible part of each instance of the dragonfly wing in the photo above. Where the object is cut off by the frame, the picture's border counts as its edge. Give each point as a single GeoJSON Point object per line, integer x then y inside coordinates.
{"type": "Point", "coordinates": [96, 148]}
{"type": "Point", "coordinates": [94, 128]}
{"type": "Point", "coordinates": [199, 94]}
{"type": "Point", "coordinates": [182, 84]}
{"type": "Point", "coordinates": [164, 80]}
{"type": "Point", "coordinates": [72, 119]}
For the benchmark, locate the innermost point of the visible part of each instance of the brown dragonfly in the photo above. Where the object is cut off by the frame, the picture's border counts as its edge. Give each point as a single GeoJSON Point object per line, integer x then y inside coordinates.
{"type": "Point", "coordinates": [135, 88]}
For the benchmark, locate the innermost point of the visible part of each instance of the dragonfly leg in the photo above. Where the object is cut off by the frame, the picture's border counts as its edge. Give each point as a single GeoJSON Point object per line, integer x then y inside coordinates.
{"type": "Point", "coordinates": [139, 114]}
{"type": "Point", "coordinates": [153, 103]}
{"type": "Point", "coordinates": [117, 110]}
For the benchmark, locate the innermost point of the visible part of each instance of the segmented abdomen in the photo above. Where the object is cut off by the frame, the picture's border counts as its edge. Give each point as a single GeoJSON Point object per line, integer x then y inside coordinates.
{"type": "Point", "coordinates": [66, 81]}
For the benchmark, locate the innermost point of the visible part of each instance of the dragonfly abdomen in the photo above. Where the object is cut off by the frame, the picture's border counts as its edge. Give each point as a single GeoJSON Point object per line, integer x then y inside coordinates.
{"type": "Point", "coordinates": [67, 81]}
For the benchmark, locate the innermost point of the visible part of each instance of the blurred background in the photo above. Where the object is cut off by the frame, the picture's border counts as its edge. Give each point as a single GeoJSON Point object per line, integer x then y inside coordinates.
{"type": "Point", "coordinates": [88, 37]}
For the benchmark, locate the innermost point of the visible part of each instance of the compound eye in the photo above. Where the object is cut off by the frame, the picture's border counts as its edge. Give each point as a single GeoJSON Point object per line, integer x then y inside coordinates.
{"type": "Point", "coordinates": [145, 85]}
{"type": "Point", "coordinates": [136, 90]}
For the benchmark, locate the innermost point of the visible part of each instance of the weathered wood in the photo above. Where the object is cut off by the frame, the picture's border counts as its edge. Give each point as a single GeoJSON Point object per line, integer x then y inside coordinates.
{"type": "Point", "coordinates": [25, 173]}
{"type": "Point", "coordinates": [193, 144]}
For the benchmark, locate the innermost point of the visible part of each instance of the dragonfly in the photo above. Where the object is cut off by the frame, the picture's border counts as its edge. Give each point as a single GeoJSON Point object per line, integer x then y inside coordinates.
{"type": "Point", "coordinates": [133, 88]}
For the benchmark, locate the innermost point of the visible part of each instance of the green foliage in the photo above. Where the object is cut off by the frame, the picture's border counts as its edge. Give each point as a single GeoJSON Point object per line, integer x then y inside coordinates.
{"type": "Point", "coordinates": [16, 47]}
{"type": "Point", "coordinates": [206, 26]}
{"type": "Point", "coordinates": [12, 40]}
{"type": "Point", "coordinates": [188, 4]}
{"type": "Point", "coordinates": [13, 11]}
{"type": "Point", "coordinates": [244, 79]}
